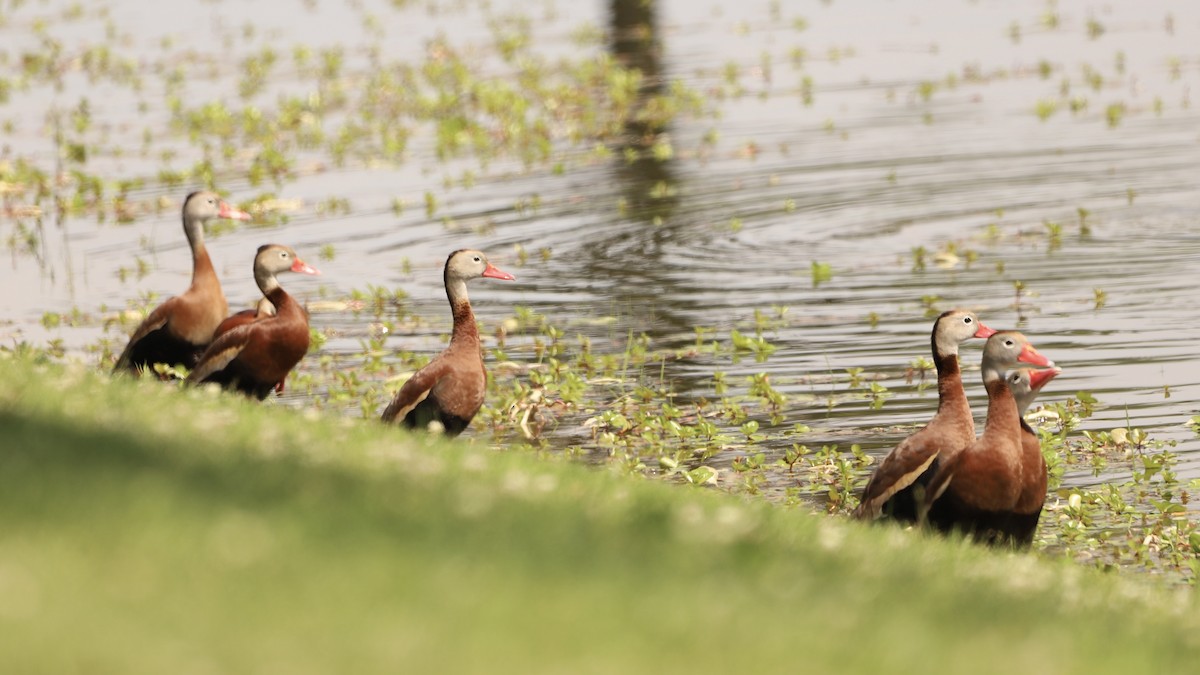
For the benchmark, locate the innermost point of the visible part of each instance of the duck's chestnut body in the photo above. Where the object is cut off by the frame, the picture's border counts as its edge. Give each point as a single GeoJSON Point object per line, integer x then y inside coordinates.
{"type": "Point", "coordinates": [178, 330]}
{"type": "Point", "coordinates": [1026, 383]}
{"type": "Point", "coordinates": [896, 488]}
{"type": "Point", "coordinates": [255, 356]}
{"type": "Point", "coordinates": [977, 490]}
{"type": "Point", "coordinates": [449, 390]}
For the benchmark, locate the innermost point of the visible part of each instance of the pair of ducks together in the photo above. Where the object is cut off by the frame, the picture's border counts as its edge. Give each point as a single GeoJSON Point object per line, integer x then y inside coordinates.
{"type": "Point", "coordinates": [992, 487]}
{"type": "Point", "coordinates": [254, 350]}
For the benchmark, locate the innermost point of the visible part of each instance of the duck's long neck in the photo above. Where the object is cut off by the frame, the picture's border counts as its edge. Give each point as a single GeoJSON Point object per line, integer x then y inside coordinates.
{"type": "Point", "coordinates": [951, 396]}
{"type": "Point", "coordinates": [267, 281]}
{"type": "Point", "coordinates": [1023, 402]}
{"type": "Point", "coordinates": [1025, 428]}
{"type": "Point", "coordinates": [465, 330]}
{"type": "Point", "coordinates": [1003, 419]}
{"type": "Point", "coordinates": [286, 307]}
{"type": "Point", "coordinates": [202, 267]}
{"type": "Point", "coordinates": [276, 297]}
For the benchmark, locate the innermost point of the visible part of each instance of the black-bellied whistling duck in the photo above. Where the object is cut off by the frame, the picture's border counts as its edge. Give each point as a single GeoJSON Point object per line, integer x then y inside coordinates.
{"type": "Point", "coordinates": [256, 356]}
{"type": "Point", "coordinates": [897, 486]}
{"type": "Point", "coordinates": [449, 390]}
{"type": "Point", "coordinates": [178, 330]}
{"type": "Point", "coordinates": [977, 490]}
{"type": "Point", "coordinates": [1026, 383]}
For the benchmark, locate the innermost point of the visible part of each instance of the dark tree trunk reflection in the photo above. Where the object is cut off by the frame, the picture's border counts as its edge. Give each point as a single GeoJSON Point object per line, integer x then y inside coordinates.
{"type": "Point", "coordinates": [647, 181]}
{"type": "Point", "coordinates": [633, 251]}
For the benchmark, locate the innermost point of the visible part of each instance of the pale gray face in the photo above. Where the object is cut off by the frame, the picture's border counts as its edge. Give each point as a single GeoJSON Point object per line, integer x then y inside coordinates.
{"type": "Point", "coordinates": [1003, 350]}
{"type": "Point", "coordinates": [954, 328]}
{"type": "Point", "coordinates": [275, 259]}
{"type": "Point", "coordinates": [1027, 383]}
{"type": "Point", "coordinates": [1018, 382]}
{"type": "Point", "coordinates": [1022, 390]}
{"type": "Point", "coordinates": [272, 259]}
{"type": "Point", "coordinates": [203, 206]}
{"type": "Point", "coordinates": [1006, 350]}
{"type": "Point", "coordinates": [469, 264]}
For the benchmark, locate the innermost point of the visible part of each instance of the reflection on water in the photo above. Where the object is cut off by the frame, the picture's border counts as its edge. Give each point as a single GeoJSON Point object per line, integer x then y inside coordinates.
{"type": "Point", "coordinates": [643, 168]}
{"type": "Point", "coordinates": [836, 138]}
{"type": "Point", "coordinates": [648, 179]}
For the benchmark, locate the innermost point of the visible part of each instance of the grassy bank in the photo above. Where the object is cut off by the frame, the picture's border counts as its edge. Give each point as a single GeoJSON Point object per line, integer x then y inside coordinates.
{"type": "Point", "coordinates": [144, 530]}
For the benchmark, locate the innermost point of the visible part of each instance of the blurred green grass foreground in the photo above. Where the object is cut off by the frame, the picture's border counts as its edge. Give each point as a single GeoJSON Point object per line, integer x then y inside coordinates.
{"type": "Point", "coordinates": [149, 530]}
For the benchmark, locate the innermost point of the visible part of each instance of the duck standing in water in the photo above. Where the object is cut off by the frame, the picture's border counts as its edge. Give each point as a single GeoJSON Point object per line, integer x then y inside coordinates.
{"type": "Point", "coordinates": [177, 331]}
{"type": "Point", "coordinates": [256, 356]}
{"type": "Point", "coordinates": [897, 486]}
{"type": "Point", "coordinates": [449, 390]}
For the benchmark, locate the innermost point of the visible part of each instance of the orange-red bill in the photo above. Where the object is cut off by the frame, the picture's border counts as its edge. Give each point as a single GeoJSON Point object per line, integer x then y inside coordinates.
{"type": "Point", "coordinates": [1039, 378]}
{"type": "Point", "coordinates": [227, 211]}
{"type": "Point", "coordinates": [984, 332]}
{"type": "Point", "coordinates": [1034, 357]}
{"type": "Point", "coordinates": [303, 267]}
{"type": "Point", "coordinates": [492, 273]}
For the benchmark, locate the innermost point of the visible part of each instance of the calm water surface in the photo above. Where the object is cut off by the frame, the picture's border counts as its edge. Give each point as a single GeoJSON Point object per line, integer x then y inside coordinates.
{"type": "Point", "coordinates": [921, 132]}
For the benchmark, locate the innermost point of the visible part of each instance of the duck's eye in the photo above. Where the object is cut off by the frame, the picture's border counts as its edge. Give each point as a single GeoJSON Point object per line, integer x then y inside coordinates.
{"type": "Point", "coordinates": [1008, 343]}
{"type": "Point", "coordinates": [477, 259]}
{"type": "Point", "coordinates": [966, 319]}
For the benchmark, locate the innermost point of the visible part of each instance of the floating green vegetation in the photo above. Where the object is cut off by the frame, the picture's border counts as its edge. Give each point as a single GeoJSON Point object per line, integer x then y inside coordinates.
{"type": "Point", "coordinates": [1142, 521]}
{"type": "Point", "coordinates": [295, 111]}
{"type": "Point", "coordinates": [821, 272]}
{"type": "Point", "coordinates": [1114, 113]}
